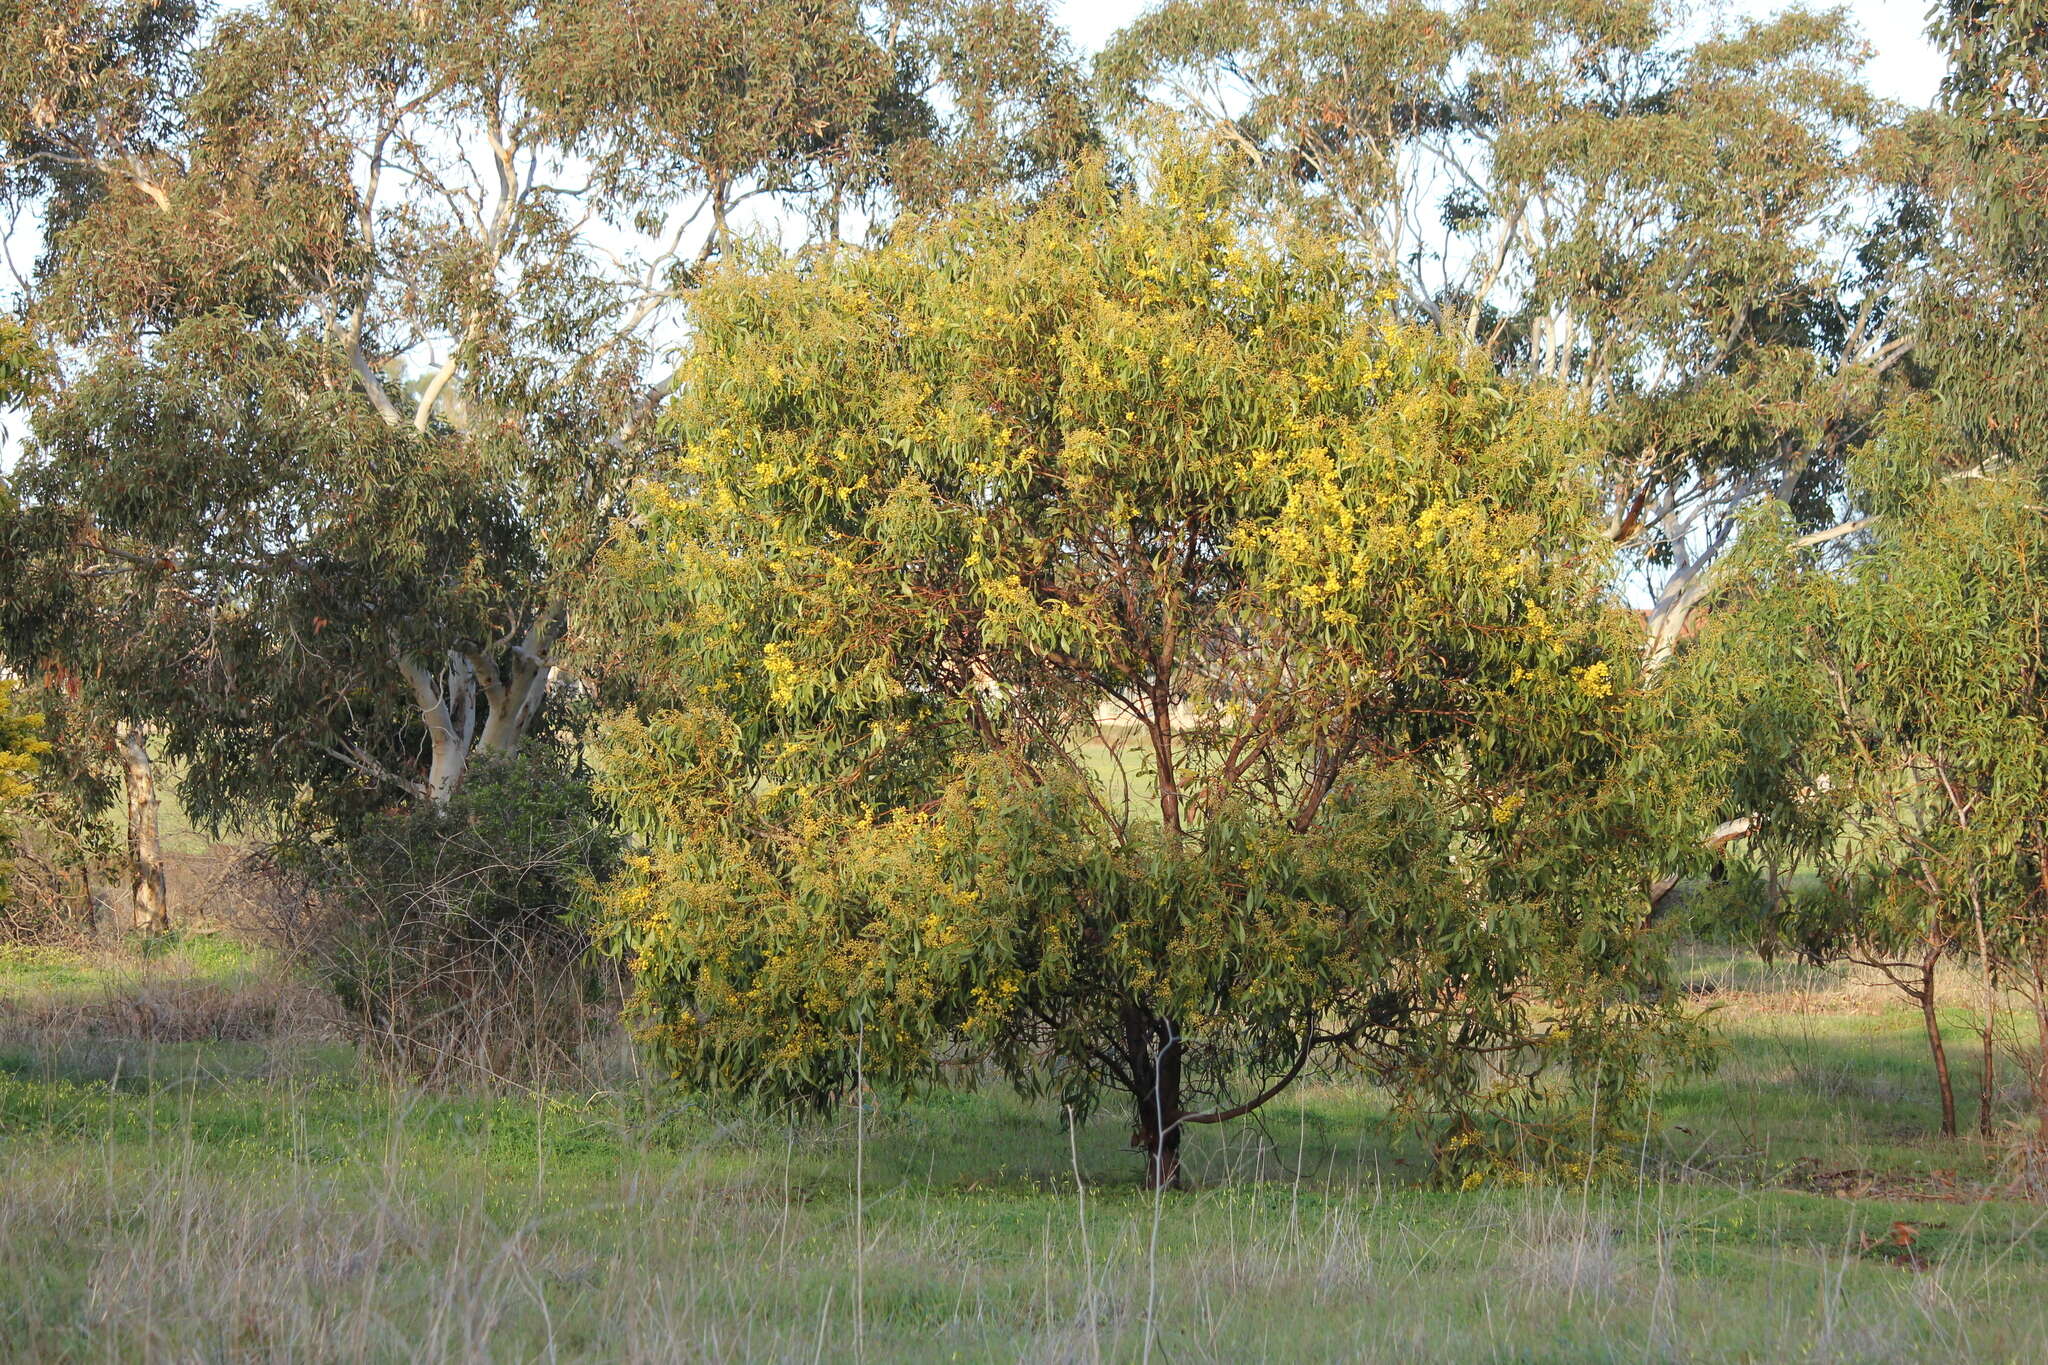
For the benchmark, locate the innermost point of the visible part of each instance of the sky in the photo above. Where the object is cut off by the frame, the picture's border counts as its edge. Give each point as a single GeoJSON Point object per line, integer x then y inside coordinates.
{"type": "Point", "coordinates": [1903, 65]}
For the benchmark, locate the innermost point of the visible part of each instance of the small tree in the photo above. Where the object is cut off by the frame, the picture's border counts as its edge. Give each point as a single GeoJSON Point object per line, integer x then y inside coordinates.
{"type": "Point", "coordinates": [1107, 646]}
{"type": "Point", "coordinates": [1883, 719]}
{"type": "Point", "coordinates": [1886, 720]}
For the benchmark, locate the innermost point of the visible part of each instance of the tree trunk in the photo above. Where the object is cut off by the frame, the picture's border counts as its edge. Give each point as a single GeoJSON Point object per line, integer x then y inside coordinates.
{"type": "Point", "coordinates": [1987, 1088]}
{"type": "Point", "coordinates": [145, 850]}
{"type": "Point", "coordinates": [513, 677]}
{"type": "Point", "coordinates": [504, 683]}
{"type": "Point", "coordinates": [445, 770]}
{"type": "Point", "coordinates": [512, 710]}
{"type": "Point", "coordinates": [1925, 994]}
{"type": "Point", "coordinates": [447, 705]}
{"type": "Point", "coordinates": [1152, 1047]}
{"type": "Point", "coordinates": [2041, 1038]}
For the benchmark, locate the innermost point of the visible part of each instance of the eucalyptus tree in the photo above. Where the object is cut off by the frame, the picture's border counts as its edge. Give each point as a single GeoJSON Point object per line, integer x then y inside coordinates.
{"type": "Point", "coordinates": [1881, 714]}
{"type": "Point", "coordinates": [1983, 307]}
{"type": "Point", "coordinates": [1700, 237]}
{"type": "Point", "coordinates": [364, 308]}
{"type": "Point", "coordinates": [1887, 721]}
{"type": "Point", "coordinates": [1114, 649]}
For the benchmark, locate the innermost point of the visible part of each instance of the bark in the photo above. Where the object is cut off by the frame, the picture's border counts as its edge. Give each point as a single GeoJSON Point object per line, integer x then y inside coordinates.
{"type": "Point", "coordinates": [447, 703]}
{"type": "Point", "coordinates": [2041, 1036]}
{"type": "Point", "coordinates": [145, 849]}
{"type": "Point", "coordinates": [1924, 993]}
{"type": "Point", "coordinates": [1987, 1087]}
{"type": "Point", "coordinates": [1665, 622]}
{"type": "Point", "coordinates": [513, 695]}
{"type": "Point", "coordinates": [505, 726]}
{"type": "Point", "coordinates": [1152, 1048]}
{"type": "Point", "coordinates": [506, 683]}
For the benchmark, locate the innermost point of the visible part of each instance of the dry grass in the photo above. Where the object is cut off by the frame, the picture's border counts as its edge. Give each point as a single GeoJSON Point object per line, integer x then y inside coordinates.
{"type": "Point", "coordinates": [203, 1194]}
{"type": "Point", "coordinates": [187, 992]}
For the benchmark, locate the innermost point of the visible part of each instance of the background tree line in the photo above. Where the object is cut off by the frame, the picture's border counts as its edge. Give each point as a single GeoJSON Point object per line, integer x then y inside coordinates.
{"type": "Point", "coordinates": [1266, 553]}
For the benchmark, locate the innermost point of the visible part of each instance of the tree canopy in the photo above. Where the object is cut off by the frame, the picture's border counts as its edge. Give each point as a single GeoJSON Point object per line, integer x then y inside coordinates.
{"type": "Point", "coordinates": [1701, 236]}
{"type": "Point", "coordinates": [1112, 647]}
{"type": "Point", "coordinates": [364, 307]}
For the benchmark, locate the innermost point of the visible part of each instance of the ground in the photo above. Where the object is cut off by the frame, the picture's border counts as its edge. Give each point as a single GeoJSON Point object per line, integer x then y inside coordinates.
{"type": "Point", "coordinates": [192, 1168]}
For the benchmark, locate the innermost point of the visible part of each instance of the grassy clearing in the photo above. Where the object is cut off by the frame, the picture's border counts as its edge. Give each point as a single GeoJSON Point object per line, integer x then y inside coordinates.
{"type": "Point", "coordinates": [265, 1197]}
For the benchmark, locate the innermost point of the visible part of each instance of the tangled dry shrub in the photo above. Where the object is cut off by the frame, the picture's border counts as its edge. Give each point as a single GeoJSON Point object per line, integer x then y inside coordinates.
{"type": "Point", "coordinates": [449, 937]}
{"type": "Point", "coordinates": [43, 906]}
{"type": "Point", "coordinates": [161, 1011]}
{"type": "Point", "coordinates": [169, 991]}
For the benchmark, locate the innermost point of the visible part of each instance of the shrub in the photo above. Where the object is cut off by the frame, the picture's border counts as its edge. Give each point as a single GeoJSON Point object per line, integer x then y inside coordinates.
{"type": "Point", "coordinates": [448, 936]}
{"type": "Point", "coordinates": [21, 745]}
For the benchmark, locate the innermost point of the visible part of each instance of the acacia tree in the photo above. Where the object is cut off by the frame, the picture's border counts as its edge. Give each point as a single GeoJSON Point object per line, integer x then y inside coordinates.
{"type": "Point", "coordinates": [21, 745]}
{"type": "Point", "coordinates": [1700, 239]}
{"type": "Point", "coordinates": [365, 307]}
{"type": "Point", "coordinates": [1112, 648]}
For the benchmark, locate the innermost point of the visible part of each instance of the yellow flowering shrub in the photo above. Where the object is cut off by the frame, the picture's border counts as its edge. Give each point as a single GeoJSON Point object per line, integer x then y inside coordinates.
{"type": "Point", "coordinates": [1101, 644]}
{"type": "Point", "coordinates": [21, 745]}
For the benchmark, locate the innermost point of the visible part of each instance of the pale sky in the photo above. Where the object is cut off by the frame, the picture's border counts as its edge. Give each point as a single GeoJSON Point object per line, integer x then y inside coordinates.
{"type": "Point", "coordinates": [1903, 65]}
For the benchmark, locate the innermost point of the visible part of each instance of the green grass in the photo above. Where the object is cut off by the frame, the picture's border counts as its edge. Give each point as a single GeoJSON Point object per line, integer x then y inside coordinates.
{"type": "Point", "coordinates": [48, 974]}
{"type": "Point", "coordinates": [272, 1199]}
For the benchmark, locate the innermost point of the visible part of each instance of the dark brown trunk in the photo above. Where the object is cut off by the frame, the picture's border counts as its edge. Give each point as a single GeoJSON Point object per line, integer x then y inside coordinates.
{"type": "Point", "coordinates": [1934, 1043]}
{"type": "Point", "coordinates": [2041, 1071]}
{"type": "Point", "coordinates": [1987, 1087]}
{"type": "Point", "coordinates": [1152, 1048]}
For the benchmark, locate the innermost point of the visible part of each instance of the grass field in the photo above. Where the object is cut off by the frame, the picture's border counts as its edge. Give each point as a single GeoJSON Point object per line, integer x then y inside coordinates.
{"type": "Point", "coordinates": [191, 1169]}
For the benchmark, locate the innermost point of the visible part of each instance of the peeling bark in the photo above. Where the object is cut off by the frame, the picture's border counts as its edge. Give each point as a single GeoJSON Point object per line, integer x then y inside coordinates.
{"type": "Point", "coordinates": [503, 685]}
{"type": "Point", "coordinates": [145, 848]}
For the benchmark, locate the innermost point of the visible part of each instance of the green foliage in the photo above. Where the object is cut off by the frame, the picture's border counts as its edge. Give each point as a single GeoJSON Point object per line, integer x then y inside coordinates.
{"type": "Point", "coordinates": [1108, 646]}
{"type": "Point", "coordinates": [364, 307]}
{"type": "Point", "coordinates": [1701, 233]}
{"type": "Point", "coordinates": [1979, 310]}
{"type": "Point", "coordinates": [1997, 90]}
{"type": "Point", "coordinates": [256, 625]}
{"type": "Point", "coordinates": [62, 840]}
{"type": "Point", "coordinates": [22, 362]}
{"type": "Point", "coordinates": [1883, 722]}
